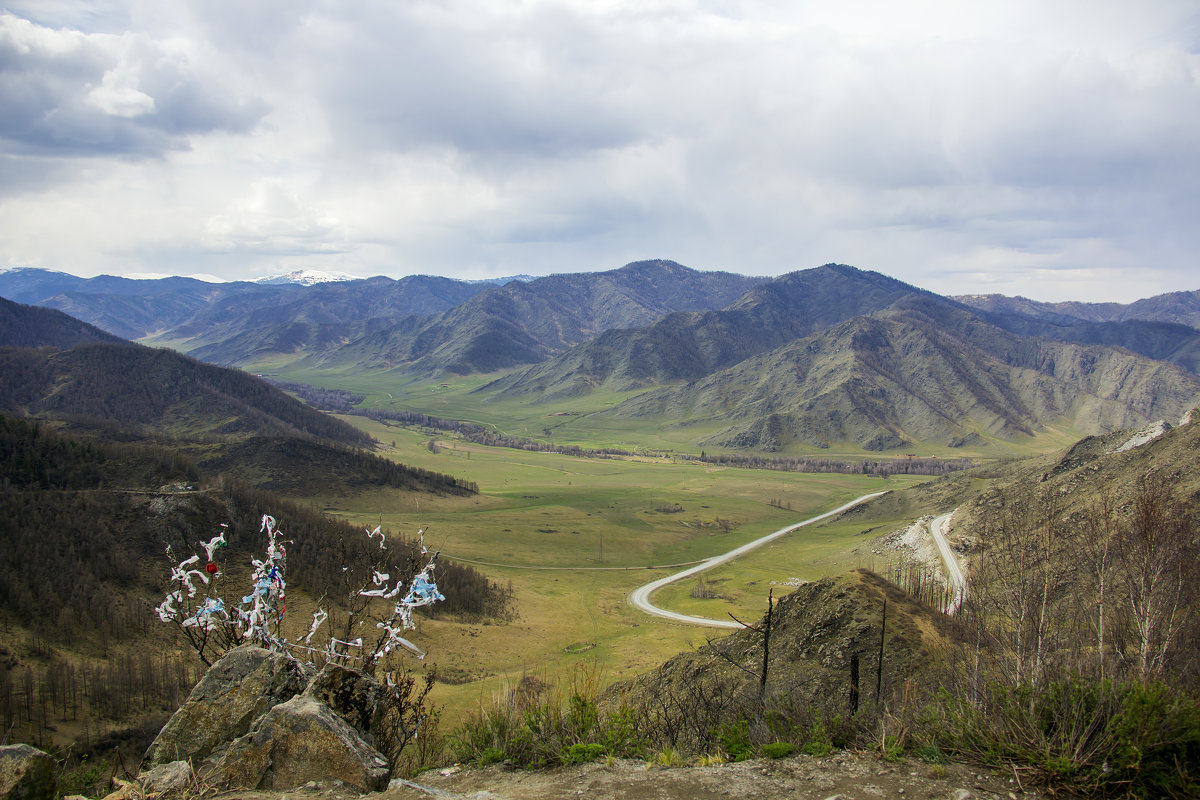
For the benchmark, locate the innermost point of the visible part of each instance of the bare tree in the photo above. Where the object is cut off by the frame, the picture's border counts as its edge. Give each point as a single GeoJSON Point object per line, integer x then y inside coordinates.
{"type": "Point", "coordinates": [1014, 598]}
{"type": "Point", "coordinates": [1156, 561]}
{"type": "Point", "coordinates": [1094, 553]}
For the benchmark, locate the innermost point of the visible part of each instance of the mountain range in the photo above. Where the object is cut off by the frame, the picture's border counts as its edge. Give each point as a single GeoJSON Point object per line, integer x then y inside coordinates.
{"type": "Point", "coordinates": [816, 358]}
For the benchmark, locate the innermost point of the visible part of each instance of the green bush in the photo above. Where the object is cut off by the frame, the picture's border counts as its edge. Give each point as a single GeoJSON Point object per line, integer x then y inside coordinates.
{"type": "Point", "coordinates": [893, 748]}
{"type": "Point", "coordinates": [582, 753]}
{"type": "Point", "coordinates": [778, 749]}
{"type": "Point", "coordinates": [735, 740]}
{"type": "Point", "coordinates": [491, 755]}
{"type": "Point", "coordinates": [819, 741]}
{"type": "Point", "coordinates": [88, 778]}
{"type": "Point", "coordinates": [930, 754]}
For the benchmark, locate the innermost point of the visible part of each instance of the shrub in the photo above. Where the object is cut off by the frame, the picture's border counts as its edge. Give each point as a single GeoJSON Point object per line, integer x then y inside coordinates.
{"type": "Point", "coordinates": [87, 777]}
{"type": "Point", "coordinates": [893, 748]}
{"type": "Point", "coordinates": [1092, 736]}
{"type": "Point", "coordinates": [538, 724]}
{"type": "Point", "coordinates": [819, 741]}
{"type": "Point", "coordinates": [735, 740]}
{"type": "Point", "coordinates": [778, 749]}
{"type": "Point", "coordinates": [582, 753]}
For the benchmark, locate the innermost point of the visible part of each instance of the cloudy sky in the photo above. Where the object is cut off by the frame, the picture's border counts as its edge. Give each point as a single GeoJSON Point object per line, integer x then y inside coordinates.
{"type": "Point", "coordinates": [1049, 148]}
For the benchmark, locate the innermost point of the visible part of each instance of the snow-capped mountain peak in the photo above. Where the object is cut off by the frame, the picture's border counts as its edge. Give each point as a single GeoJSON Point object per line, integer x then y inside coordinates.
{"type": "Point", "coordinates": [307, 277]}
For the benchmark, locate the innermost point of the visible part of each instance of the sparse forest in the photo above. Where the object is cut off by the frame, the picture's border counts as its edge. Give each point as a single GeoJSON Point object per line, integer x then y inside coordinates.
{"type": "Point", "coordinates": [85, 526]}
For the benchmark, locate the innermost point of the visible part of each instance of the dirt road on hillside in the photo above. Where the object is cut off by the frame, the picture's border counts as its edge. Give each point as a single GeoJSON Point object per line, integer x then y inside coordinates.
{"type": "Point", "coordinates": [958, 581]}
{"type": "Point", "coordinates": [640, 597]}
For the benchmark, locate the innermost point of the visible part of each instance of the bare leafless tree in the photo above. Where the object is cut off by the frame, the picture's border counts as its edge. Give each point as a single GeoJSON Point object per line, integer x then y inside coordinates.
{"type": "Point", "coordinates": [1015, 599]}
{"type": "Point", "coordinates": [1156, 563]}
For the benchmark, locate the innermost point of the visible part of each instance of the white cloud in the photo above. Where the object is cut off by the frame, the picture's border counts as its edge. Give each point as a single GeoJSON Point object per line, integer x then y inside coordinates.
{"type": "Point", "coordinates": [1028, 145]}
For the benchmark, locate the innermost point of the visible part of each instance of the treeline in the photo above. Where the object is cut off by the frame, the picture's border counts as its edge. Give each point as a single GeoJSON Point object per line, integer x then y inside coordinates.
{"type": "Point", "coordinates": [878, 467]}
{"type": "Point", "coordinates": [423, 420]}
{"type": "Point", "coordinates": [297, 465]}
{"type": "Point", "coordinates": [1109, 593]}
{"type": "Point", "coordinates": [320, 547]}
{"type": "Point", "coordinates": [30, 326]}
{"type": "Point", "coordinates": [337, 400]}
{"type": "Point", "coordinates": [34, 701]}
{"type": "Point", "coordinates": [79, 567]}
{"type": "Point", "coordinates": [33, 457]}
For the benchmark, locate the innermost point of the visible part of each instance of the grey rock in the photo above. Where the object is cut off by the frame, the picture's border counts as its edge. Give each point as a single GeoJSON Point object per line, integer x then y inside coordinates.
{"type": "Point", "coordinates": [354, 696]}
{"type": "Point", "coordinates": [962, 794]}
{"type": "Point", "coordinates": [166, 777]}
{"type": "Point", "coordinates": [26, 773]}
{"type": "Point", "coordinates": [294, 743]}
{"type": "Point", "coordinates": [247, 682]}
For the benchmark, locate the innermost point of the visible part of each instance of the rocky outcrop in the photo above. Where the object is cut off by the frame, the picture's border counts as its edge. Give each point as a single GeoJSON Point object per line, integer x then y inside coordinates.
{"type": "Point", "coordinates": [26, 773]}
{"type": "Point", "coordinates": [246, 683]}
{"type": "Point", "coordinates": [299, 741]}
{"type": "Point", "coordinates": [168, 777]}
{"type": "Point", "coordinates": [262, 720]}
{"type": "Point", "coordinates": [353, 696]}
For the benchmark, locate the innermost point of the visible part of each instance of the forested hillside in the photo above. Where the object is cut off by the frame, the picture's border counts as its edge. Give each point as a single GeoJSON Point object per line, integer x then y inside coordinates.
{"type": "Point", "coordinates": [29, 326]}
{"type": "Point", "coordinates": [85, 527]}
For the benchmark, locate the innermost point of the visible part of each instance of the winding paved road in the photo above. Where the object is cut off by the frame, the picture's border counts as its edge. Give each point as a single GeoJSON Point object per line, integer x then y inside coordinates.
{"type": "Point", "coordinates": [640, 597]}
{"type": "Point", "coordinates": [958, 582]}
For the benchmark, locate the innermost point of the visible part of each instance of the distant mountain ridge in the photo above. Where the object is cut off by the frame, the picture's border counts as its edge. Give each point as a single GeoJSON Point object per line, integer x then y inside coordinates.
{"type": "Point", "coordinates": [899, 376]}
{"type": "Point", "coordinates": [420, 322]}
{"type": "Point", "coordinates": [814, 358]}
{"type": "Point", "coordinates": [1178, 307]}
{"type": "Point", "coordinates": [525, 323]}
{"type": "Point", "coordinates": [840, 356]}
{"type": "Point", "coordinates": [687, 346]}
{"type": "Point", "coordinates": [306, 277]}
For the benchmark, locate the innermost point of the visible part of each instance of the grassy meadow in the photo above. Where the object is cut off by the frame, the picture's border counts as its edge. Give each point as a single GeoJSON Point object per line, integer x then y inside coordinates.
{"type": "Point", "coordinates": [575, 536]}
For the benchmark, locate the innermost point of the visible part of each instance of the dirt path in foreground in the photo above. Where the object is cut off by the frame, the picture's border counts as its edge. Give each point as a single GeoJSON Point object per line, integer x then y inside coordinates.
{"type": "Point", "coordinates": [849, 776]}
{"type": "Point", "coordinates": [844, 775]}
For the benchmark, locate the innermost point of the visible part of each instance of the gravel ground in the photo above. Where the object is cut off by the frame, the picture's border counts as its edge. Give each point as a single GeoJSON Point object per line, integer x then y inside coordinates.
{"type": "Point", "coordinates": [843, 775]}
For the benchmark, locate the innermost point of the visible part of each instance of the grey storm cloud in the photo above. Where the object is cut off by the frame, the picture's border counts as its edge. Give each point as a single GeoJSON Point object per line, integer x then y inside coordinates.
{"type": "Point", "coordinates": [66, 92]}
{"type": "Point", "coordinates": [1051, 145]}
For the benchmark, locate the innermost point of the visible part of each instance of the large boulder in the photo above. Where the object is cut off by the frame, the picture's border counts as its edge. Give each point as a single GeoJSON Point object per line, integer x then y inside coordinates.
{"type": "Point", "coordinates": [242, 686]}
{"type": "Point", "coordinates": [26, 773]}
{"type": "Point", "coordinates": [354, 696]}
{"type": "Point", "coordinates": [167, 777]}
{"type": "Point", "coordinates": [296, 742]}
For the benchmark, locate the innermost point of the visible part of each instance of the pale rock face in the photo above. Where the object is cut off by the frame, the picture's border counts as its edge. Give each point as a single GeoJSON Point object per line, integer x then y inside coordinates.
{"type": "Point", "coordinates": [296, 742]}
{"type": "Point", "coordinates": [26, 773]}
{"type": "Point", "coordinates": [262, 720]}
{"type": "Point", "coordinates": [355, 697]}
{"type": "Point", "coordinates": [167, 777]}
{"type": "Point", "coordinates": [246, 683]}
